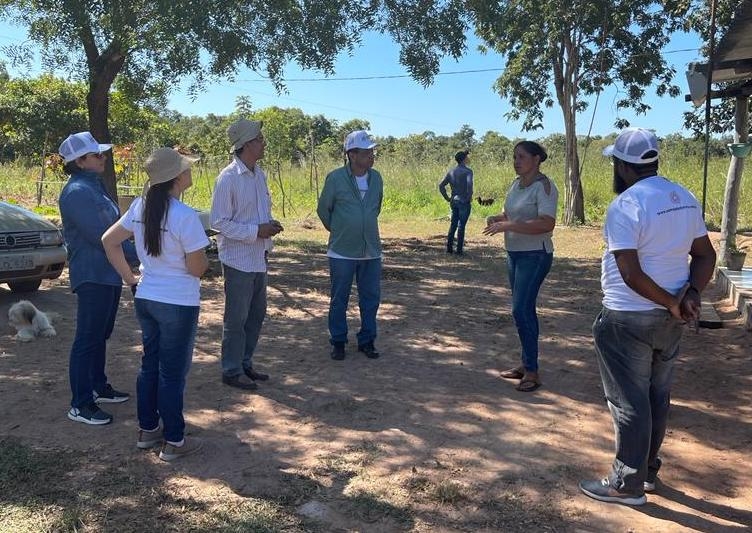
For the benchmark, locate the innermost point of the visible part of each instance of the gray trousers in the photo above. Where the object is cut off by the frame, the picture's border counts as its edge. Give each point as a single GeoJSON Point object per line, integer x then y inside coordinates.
{"type": "Point", "coordinates": [636, 352]}
{"type": "Point", "coordinates": [245, 309]}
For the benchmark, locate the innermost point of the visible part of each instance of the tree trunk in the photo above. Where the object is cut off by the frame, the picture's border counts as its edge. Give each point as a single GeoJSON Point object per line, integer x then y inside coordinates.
{"type": "Point", "coordinates": [733, 183]}
{"type": "Point", "coordinates": [103, 69]}
{"type": "Point", "coordinates": [565, 69]}
{"type": "Point", "coordinates": [574, 205]}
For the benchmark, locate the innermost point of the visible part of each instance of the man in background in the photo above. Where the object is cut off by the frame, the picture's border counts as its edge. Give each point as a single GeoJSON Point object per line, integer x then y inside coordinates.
{"type": "Point", "coordinates": [349, 208]}
{"type": "Point", "coordinates": [460, 181]}
{"type": "Point", "coordinates": [649, 291]}
{"type": "Point", "coordinates": [242, 214]}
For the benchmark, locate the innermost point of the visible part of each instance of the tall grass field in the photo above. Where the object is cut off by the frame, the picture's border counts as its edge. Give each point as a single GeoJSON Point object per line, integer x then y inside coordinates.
{"type": "Point", "coordinates": [410, 187]}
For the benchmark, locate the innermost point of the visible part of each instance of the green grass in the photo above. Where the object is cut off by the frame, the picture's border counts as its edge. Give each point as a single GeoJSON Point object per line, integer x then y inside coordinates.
{"type": "Point", "coordinates": [61, 491]}
{"type": "Point", "coordinates": [410, 189]}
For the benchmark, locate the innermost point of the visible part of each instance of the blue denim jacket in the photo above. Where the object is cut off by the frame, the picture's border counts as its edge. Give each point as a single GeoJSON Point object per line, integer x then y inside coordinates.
{"type": "Point", "coordinates": [87, 211]}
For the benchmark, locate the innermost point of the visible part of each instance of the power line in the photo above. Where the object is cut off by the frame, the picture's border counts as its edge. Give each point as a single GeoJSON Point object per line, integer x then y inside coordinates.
{"type": "Point", "coordinates": [381, 76]}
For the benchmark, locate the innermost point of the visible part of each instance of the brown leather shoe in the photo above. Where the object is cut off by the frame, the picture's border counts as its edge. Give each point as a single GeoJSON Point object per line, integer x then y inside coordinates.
{"type": "Point", "coordinates": [255, 376]}
{"type": "Point", "coordinates": [239, 382]}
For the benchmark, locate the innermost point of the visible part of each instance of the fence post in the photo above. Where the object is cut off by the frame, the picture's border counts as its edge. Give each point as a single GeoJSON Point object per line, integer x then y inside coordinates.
{"type": "Point", "coordinates": [40, 183]}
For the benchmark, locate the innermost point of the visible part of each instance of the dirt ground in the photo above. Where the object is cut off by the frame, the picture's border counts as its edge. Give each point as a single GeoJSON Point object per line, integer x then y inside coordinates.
{"type": "Point", "coordinates": [426, 438]}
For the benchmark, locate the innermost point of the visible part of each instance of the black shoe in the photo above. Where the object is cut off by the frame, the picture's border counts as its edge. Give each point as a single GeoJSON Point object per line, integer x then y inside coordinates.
{"type": "Point", "coordinates": [338, 351]}
{"type": "Point", "coordinates": [369, 350]}
{"type": "Point", "coordinates": [90, 414]}
{"type": "Point", "coordinates": [255, 376]}
{"type": "Point", "coordinates": [450, 251]}
{"type": "Point", "coordinates": [110, 395]}
{"type": "Point", "coordinates": [240, 381]}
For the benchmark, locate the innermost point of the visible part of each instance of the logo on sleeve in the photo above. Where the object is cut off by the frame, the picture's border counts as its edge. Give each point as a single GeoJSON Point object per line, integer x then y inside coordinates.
{"type": "Point", "coordinates": [675, 197]}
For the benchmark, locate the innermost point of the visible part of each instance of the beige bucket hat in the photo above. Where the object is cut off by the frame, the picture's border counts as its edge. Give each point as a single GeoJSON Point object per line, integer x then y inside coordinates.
{"type": "Point", "coordinates": [242, 131]}
{"type": "Point", "coordinates": [164, 164]}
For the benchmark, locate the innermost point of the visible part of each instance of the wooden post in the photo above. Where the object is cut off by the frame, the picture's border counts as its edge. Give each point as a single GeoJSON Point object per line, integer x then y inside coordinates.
{"type": "Point", "coordinates": [40, 183]}
{"type": "Point", "coordinates": [281, 187]}
{"type": "Point", "coordinates": [733, 182]}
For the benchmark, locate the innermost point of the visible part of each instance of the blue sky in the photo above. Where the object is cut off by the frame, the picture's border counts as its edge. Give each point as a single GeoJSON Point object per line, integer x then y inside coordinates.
{"type": "Point", "coordinates": [400, 106]}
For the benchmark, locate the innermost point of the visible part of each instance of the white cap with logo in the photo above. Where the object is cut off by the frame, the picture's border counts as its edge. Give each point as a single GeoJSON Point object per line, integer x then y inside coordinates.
{"type": "Point", "coordinates": [80, 144]}
{"type": "Point", "coordinates": [359, 139]}
{"type": "Point", "coordinates": [632, 145]}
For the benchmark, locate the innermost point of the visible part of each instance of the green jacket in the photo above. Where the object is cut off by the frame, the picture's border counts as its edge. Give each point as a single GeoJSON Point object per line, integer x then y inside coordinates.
{"type": "Point", "coordinates": [352, 222]}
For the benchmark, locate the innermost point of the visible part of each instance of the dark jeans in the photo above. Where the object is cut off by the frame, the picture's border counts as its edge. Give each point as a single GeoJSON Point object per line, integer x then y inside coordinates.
{"type": "Point", "coordinates": [527, 270]}
{"type": "Point", "coordinates": [245, 309]}
{"type": "Point", "coordinates": [636, 352]}
{"type": "Point", "coordinates": [169, 333]}
{"type": "Point", "coordinates": [367, 274]}
{"type": "Point", "coordinates": [95, 318]}
{"type": "Point", "coordinates": [460, 214]}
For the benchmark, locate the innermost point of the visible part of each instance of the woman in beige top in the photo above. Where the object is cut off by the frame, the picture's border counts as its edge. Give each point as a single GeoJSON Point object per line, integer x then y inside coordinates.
{"type": "Point", "coordinates": [527, 221]}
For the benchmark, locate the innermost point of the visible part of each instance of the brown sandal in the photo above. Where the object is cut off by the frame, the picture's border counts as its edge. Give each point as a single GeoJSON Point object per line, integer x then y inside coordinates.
{"type": "Point", "coordinates": [513, 373]}
{"type": "Point", "coordinates": [528, 385]}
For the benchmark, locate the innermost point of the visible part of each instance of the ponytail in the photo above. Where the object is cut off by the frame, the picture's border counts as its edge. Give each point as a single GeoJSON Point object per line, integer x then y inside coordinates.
{"type": "Point", "coordinates": [155, 212]}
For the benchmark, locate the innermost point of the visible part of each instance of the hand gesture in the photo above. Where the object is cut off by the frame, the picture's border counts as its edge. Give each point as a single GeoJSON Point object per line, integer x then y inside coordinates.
{"type": "Point", "coordinates": [496, 218]}
{"type": "Point", "coordinates": [269, 229]}
{"type": "Point", "coordinates": [690, 306]}
{"type": "Point", "coordinates": [675, 306]}
{"type": "Point", "coordinates": [494, 228]}
{"type": "Point", "coordinates": [277, 224]}
{"type": "Point", "coordinates": [686, 305]}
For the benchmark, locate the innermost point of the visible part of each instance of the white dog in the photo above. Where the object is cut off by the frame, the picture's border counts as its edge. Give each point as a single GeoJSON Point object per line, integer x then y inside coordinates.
{"type": "Point", "coordinates": [29, 321]}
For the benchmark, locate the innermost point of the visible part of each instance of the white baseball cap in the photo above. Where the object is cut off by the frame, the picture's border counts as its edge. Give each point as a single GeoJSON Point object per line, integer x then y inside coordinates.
{"type": "Point", "coordinates": [80, 144]}
{"type": "Point", "coordinates": [632, 144]}
{"type": "Point", "coordinates": [359, 139]}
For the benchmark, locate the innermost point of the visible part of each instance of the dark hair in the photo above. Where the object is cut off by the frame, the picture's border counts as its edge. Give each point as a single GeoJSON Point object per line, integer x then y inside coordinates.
{"type": "Point", "coordinates": [155, 211]}
{"type": "Point", "coordinates": [642, 169]}
{"type": "Point", "coordinates": [71, 167]}
{"type": "Point", "coordinates": [533, 148]}
{"type": "Point", "coordinates": [239, 151]}
{"type": "Point", "coordinates": [461, 156]}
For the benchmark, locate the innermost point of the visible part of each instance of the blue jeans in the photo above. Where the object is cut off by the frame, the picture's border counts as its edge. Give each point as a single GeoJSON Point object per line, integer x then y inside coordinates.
{"type": "Point", "coordinates": [460, 214]}
{"type": "Point", "coordinates": [169, 333]}
{"type": "Point", "coordinates": [367, 274]}
{"type": "Point", "coordinates": [527, 270]}
{"type": "Point", "coordinates": [95, 319]}
{"type": "Point", "coordinates": [245, 309]}
{"type": "Point", "coordinates": [636, 352]}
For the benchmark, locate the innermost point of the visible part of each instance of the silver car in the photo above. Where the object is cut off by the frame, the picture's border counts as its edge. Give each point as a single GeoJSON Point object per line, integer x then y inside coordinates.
{"type": "Point", "coordinates": [31, 249]}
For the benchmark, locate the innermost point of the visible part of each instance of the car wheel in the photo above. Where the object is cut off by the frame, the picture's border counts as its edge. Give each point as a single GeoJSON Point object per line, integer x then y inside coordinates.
{"type": "Point", "coordinates": [24, 286]}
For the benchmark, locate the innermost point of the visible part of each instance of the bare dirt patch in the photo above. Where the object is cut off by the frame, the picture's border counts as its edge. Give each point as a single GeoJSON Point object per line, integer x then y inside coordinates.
{"type": "Point", "coordinates": [426, 438]}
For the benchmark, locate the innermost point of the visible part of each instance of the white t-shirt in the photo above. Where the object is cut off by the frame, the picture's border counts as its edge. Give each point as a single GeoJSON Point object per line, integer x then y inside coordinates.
{"type": "Point", "coordinates": [165, 278]}
{"type": "Point", "coordinates": [659, 219]}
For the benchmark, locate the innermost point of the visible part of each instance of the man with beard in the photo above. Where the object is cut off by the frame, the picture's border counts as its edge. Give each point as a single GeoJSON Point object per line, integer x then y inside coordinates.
{"type": "Point", "coordinates": [649, 291]}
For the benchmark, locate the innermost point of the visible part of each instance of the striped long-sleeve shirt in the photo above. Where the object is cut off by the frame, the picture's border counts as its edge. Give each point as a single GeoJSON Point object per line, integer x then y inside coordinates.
{"type": "Point", "coordinates": [241, 202]}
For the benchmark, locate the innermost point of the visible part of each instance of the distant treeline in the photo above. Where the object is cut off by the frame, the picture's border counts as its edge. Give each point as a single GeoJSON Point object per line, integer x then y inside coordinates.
{"type": "Point", "coordinates": [36, 114]}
